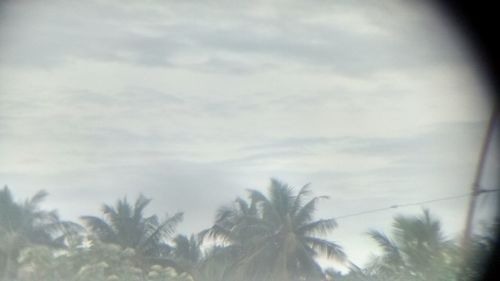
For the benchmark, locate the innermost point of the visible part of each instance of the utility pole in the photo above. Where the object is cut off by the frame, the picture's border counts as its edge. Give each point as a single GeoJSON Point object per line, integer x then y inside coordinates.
{"type": "Point", "coordinates": [476, 187]}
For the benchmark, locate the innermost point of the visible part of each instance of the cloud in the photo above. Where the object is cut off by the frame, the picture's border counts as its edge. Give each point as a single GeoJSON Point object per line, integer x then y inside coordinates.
{"type": "Point", "coordinates": [192, 102]}
{"type": "Point", "coordinates": [213, 39]}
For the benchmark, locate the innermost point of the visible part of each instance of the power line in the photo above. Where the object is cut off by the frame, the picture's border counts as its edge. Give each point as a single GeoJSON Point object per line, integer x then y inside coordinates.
{"type": "Point", "coordinates": [432, 200]}
{"type": "Point", "coordinates": [405, 205]}
{"type": "Point", "coordinates": [395, 206]}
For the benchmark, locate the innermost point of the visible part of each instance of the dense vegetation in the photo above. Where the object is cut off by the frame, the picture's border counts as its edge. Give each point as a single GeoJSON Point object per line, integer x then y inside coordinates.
{"type": "Point", "coordinates": [272, 236]}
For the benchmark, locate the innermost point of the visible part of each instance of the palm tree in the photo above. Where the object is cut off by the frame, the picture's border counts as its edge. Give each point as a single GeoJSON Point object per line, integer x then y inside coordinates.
{"type": "Point", "coordinates": [24, 224]}
{"type": "Point", "coordinates": [275, 236]}
{"type": "Point", "coordinates": [126, 226]}
{"type": "Point", "coordinates": [187, 255]}
{"type": "Point", "coordinates": [418, 250]}
{"type": "Point", "coordinates": [476, 258]}
{"type": "Point", "coordinates": [217, 264]}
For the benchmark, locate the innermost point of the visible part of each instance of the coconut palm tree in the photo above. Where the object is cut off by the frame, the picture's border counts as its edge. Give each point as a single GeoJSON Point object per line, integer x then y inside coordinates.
{"type": "Point", "coordinates": [187, 255]}
{"type": "Point", "coordinates": [125, 225]}
{"type": "Point", "coordinates": [475, 259]}
{"type": "Point", "coordinates": [418, 250]}
{"type": "Point", "coordinates": [275, 236]}
{"type": "Point", "coordinates": [25, 224]}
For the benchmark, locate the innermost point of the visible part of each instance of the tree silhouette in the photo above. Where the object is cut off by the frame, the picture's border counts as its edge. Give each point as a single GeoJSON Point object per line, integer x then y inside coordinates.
{"type": "Point", "coordinates": [275, 236]}
{"type": "Point", "coordinates": [24, 224]}
{"type": "Point", "coordinates": [126, 226]}
{"type": "Point", "coordinates": [417, 250]}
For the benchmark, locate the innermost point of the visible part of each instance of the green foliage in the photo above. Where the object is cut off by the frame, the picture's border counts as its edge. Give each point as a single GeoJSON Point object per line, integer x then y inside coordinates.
{"type": "Point", "coordinates": [25, 224]}
{"type": "Point", "coordinates": [99, 262]}
{"type": "Point", "coordinates": [272, 236]}
{"type": "Point", "coordinates": [126, 225]}
{"type": "Point", "coordinates": [275, 236]}
{"type": "Point", "coordinates": [479, 251]}
{"type": "Point", "coordinates": [416, 251]}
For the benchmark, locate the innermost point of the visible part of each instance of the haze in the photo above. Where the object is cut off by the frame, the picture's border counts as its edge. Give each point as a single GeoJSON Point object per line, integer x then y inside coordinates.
{"type": "Point", "coordinates": [193, 102]}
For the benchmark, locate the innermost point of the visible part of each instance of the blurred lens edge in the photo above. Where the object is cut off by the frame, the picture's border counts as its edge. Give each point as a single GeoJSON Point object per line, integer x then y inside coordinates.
{"type": "Point", "coordinates": [477, 22]}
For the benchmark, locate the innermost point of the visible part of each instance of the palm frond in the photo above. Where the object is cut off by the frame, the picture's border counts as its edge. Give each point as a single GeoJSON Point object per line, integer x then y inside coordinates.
{"type": "Point", "coordinates": [112, 216]}
{"type": "Point", "coordinates": [141, 203]}
{"type": "Point", "coordinates": [33, 202]}
{"type": "Point", "coordinates": [165, 229]}
{"type": "Point", "coordinates": [267, 210]}
{"type": "Point", "coordinates": [281, 197]}
{"type": "Point", "coordinates": [216, 232]}
{"type": "Point", "coordinates": [224, 212]}
{"type": "Point", "coordinates": [307, 266]}
{"type": "Point", "coordinates": [69, 228]}
{"type": "Point", "coordinates": [297, 204]}
{"type": "Point", "coordinates": [392, 252]}
{"type": "Point", "coordinates": [170, 224]}
{"type": "Point", "coordinates": [100, 228]}
{"type": "Point", "coordinates": [305, 214]}
{"type": "Point", "coordinates": [328, 248]}
{"type": "Point", "coordinates": [383, 241]}
{"type": "Point", "coordinates": [319, 227]}
{"type": "Point", "coordinates": [256, 195]}
{"type": "Point", "coordinates": [242, 205]}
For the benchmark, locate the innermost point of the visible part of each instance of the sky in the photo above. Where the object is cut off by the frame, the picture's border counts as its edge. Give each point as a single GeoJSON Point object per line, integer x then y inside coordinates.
{"type": "Point", "coordinates": [190, 103]}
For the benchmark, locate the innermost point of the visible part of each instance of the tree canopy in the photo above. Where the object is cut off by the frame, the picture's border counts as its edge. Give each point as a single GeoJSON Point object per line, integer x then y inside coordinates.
{"type": "Point", "coordinates": [271, 235]}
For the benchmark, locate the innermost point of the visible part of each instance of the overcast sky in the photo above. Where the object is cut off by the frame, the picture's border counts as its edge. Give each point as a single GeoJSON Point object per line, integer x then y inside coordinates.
{"type": "Point", "coordinates": [374, 103]}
